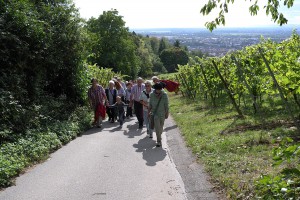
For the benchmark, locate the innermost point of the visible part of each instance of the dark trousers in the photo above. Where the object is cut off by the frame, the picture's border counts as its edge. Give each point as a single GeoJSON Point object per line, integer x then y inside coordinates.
{"type": "Point", "coordinates": [129, 110]}
{"type": "Point", "coordinates": [121, 118]}
{"type": "Point", "coordinates": [138, 107]}
{"type": "Point", "coordinates": [112, 113]}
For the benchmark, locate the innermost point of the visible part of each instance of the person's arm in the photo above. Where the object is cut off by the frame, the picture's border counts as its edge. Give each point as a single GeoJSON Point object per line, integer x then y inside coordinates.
{"type": "Point", "coordinates": [113, 105]}
{"type": "Point", "coordinates": [90, 98]}
{"type": "Point", "coordinates": [143, 99]}
{"type": "Point", "coordinates": [128, 94]}
{"type": "Point", "coordinates": [104, 96]}
{"type": "Point", "coordinates": [131, 96]}
{"type": "Point", "coordinates": [166, 106]}
{"type": "Point", "coordinates": [150, 105]}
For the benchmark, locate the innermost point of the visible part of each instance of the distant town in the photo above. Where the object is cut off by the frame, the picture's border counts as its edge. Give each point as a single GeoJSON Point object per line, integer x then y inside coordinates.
{"type": "Point", "coordinates": [221, 40]}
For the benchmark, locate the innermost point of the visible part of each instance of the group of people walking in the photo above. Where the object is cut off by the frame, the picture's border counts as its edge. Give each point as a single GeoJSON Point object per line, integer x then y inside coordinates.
{"type": "Point", "coordinates": [148, 100]}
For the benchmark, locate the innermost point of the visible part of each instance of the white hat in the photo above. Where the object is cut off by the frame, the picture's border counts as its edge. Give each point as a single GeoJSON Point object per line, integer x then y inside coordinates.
{"type": "Point", "coordinates": [111, 82]}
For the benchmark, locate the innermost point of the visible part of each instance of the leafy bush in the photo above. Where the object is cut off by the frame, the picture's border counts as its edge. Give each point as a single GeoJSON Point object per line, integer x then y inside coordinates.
{"type": "Point", "coordinates": [172, 57]}
{"type": "Point", "coordinates": [16, 156]}
{"type": "Point", "coordinates": [286, 184]}
{"type": "Point", "coordinates": [35, 146]}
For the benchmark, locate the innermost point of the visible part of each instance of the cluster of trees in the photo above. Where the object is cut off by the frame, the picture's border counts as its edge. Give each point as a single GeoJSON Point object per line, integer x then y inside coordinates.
{"type": "Point", "coordinates": [41, 59]}
{"type": "Point", "coordinates": [112, 45]}
{"type": "Point", "coordinates": [40, 48]}
{"type": "Point", "coordinates": [46, 49]}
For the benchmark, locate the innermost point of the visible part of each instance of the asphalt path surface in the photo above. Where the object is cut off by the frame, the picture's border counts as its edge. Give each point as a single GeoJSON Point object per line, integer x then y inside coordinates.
{"type": "Point", "coordinates": [114, 163]}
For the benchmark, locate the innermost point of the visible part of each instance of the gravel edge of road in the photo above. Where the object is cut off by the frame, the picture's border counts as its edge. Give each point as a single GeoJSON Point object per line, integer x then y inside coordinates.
{"type": "Point", "coordinates": [197, 186]}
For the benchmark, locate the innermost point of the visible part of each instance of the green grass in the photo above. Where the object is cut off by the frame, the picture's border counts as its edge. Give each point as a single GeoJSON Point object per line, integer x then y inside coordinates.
{"type": "Point", "coordinates": [234, 160]}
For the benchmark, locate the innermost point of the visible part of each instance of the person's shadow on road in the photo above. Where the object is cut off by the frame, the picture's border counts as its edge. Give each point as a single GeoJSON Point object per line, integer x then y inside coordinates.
{"type": "Point", "coordinates": [133, 131]}
{"type": "Point", "coordinates": [151, 153]}
{"type": "Point", "coordinates": [170, 128]}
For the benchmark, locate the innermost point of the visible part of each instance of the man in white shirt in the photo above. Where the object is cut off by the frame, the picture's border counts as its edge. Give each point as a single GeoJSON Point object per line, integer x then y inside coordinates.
{"type": "Point", "coordinates": [136, 91]}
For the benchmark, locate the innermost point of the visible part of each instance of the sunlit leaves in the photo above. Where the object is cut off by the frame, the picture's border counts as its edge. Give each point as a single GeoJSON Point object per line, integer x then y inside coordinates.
{"type": "Point", "coordinates": [271, 8]}
{"type": "Point", "coordinates": [254, 9]}
{"type": "Point", "coordinates": [115, 47]}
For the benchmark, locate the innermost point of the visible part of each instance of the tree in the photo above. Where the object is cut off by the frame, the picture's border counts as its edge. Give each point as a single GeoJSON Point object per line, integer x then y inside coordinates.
{"type": "Point", "coordinates": [198, 53]}
{"type": "Point", "coordinates": [41, 62]}
{"type": "Point", "coordinates": [172, 57]}
{"type": "Point", "coordinates": [163, 44]}
{"type": "Point", "coordinates": [177, 43]}
{"type": "Point", "coordinates": [154, 42]}
{"type": "Point", "coordinates": [113, 47]}
{"type": "Point", "coordinates": [271, 8]}
{"type": "Point", "coordinates": [158, 66]}
{"type": "Point", "coordinates": [42, 49]}
{"type": "Point", "coordinates": [144, 54]}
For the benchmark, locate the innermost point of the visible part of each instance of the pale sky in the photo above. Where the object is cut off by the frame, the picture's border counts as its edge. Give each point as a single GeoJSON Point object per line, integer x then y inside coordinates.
{"type": "Point", "coordinates": [179, 14]}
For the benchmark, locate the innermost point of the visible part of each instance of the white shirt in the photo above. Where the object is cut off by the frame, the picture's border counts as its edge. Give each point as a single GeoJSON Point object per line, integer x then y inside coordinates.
{"type": "Point", "coordinates": [121, 92]}
{"type": "Point", "coordinates": [146, 99]}
{"type": "Point", "coordinates": [136, 91]}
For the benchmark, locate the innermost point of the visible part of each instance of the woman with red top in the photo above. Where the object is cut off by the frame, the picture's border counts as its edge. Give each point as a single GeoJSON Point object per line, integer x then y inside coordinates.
{"type": "Point", "coordinates": [97, 97]}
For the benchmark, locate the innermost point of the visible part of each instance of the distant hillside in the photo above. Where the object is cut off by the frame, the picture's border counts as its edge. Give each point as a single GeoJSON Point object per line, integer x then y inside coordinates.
{"type": "Point", "coordinates": [221, 40]}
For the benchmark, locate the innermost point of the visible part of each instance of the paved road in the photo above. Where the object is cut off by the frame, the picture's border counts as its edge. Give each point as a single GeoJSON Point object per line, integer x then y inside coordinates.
{"type": "Point", "coordinates": [111, 164]}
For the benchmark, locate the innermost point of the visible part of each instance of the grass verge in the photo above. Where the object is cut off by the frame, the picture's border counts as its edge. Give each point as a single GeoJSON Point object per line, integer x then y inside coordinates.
{"type": "Point", "coordinates": [235, 159]}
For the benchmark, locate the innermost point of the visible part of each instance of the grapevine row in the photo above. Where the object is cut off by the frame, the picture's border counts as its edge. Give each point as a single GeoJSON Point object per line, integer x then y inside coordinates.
{"type": "Point", "coordinates": [265, 70]}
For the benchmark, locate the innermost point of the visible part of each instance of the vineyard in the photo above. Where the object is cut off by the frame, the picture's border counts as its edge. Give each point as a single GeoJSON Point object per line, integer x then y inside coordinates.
{"type": "Point", "coordinates": [266, 70]}
{"type": "Point", "coordinates": [261, 83]}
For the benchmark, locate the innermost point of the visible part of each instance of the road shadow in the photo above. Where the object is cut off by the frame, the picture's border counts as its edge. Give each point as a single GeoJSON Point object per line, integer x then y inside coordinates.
{"type": "Point", "coordinates": [133, 131]}
{"type": "Point", "coordinates": [91, 131]}
{"type": "Point", "coordinates": [116, 125]}
{"type": "Point", "coordinates": [151, 153]}
{"type": "Point", "coordinates": [170, 128]}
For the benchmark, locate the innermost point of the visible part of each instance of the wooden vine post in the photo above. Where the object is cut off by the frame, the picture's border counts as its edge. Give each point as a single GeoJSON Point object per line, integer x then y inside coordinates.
{"type": "Point", "coordinates": [241, 73]}
{"type": "Point", "coordinates": [185, 92]}
{"type": "Point", "coordinates": [228, 90]}
{"type": "Point", "coordinates": [279, 89]}
{"type": "Point", "coordinates": [207, 84]}
{"type": "Point", "coordinates": [187, 86]}
{"type": "Point", "coordinates": [178, 79]}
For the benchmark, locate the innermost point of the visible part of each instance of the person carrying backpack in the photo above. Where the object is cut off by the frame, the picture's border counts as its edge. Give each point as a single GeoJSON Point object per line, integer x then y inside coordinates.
{"type": "Point", "coordinates": [144, 99]}
{"type": "Point", "coordinates": [111, 94]}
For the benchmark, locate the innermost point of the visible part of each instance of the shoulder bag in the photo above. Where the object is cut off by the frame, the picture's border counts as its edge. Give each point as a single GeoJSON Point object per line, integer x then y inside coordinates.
{"type": "Point", "coordinates": [152, 115]}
